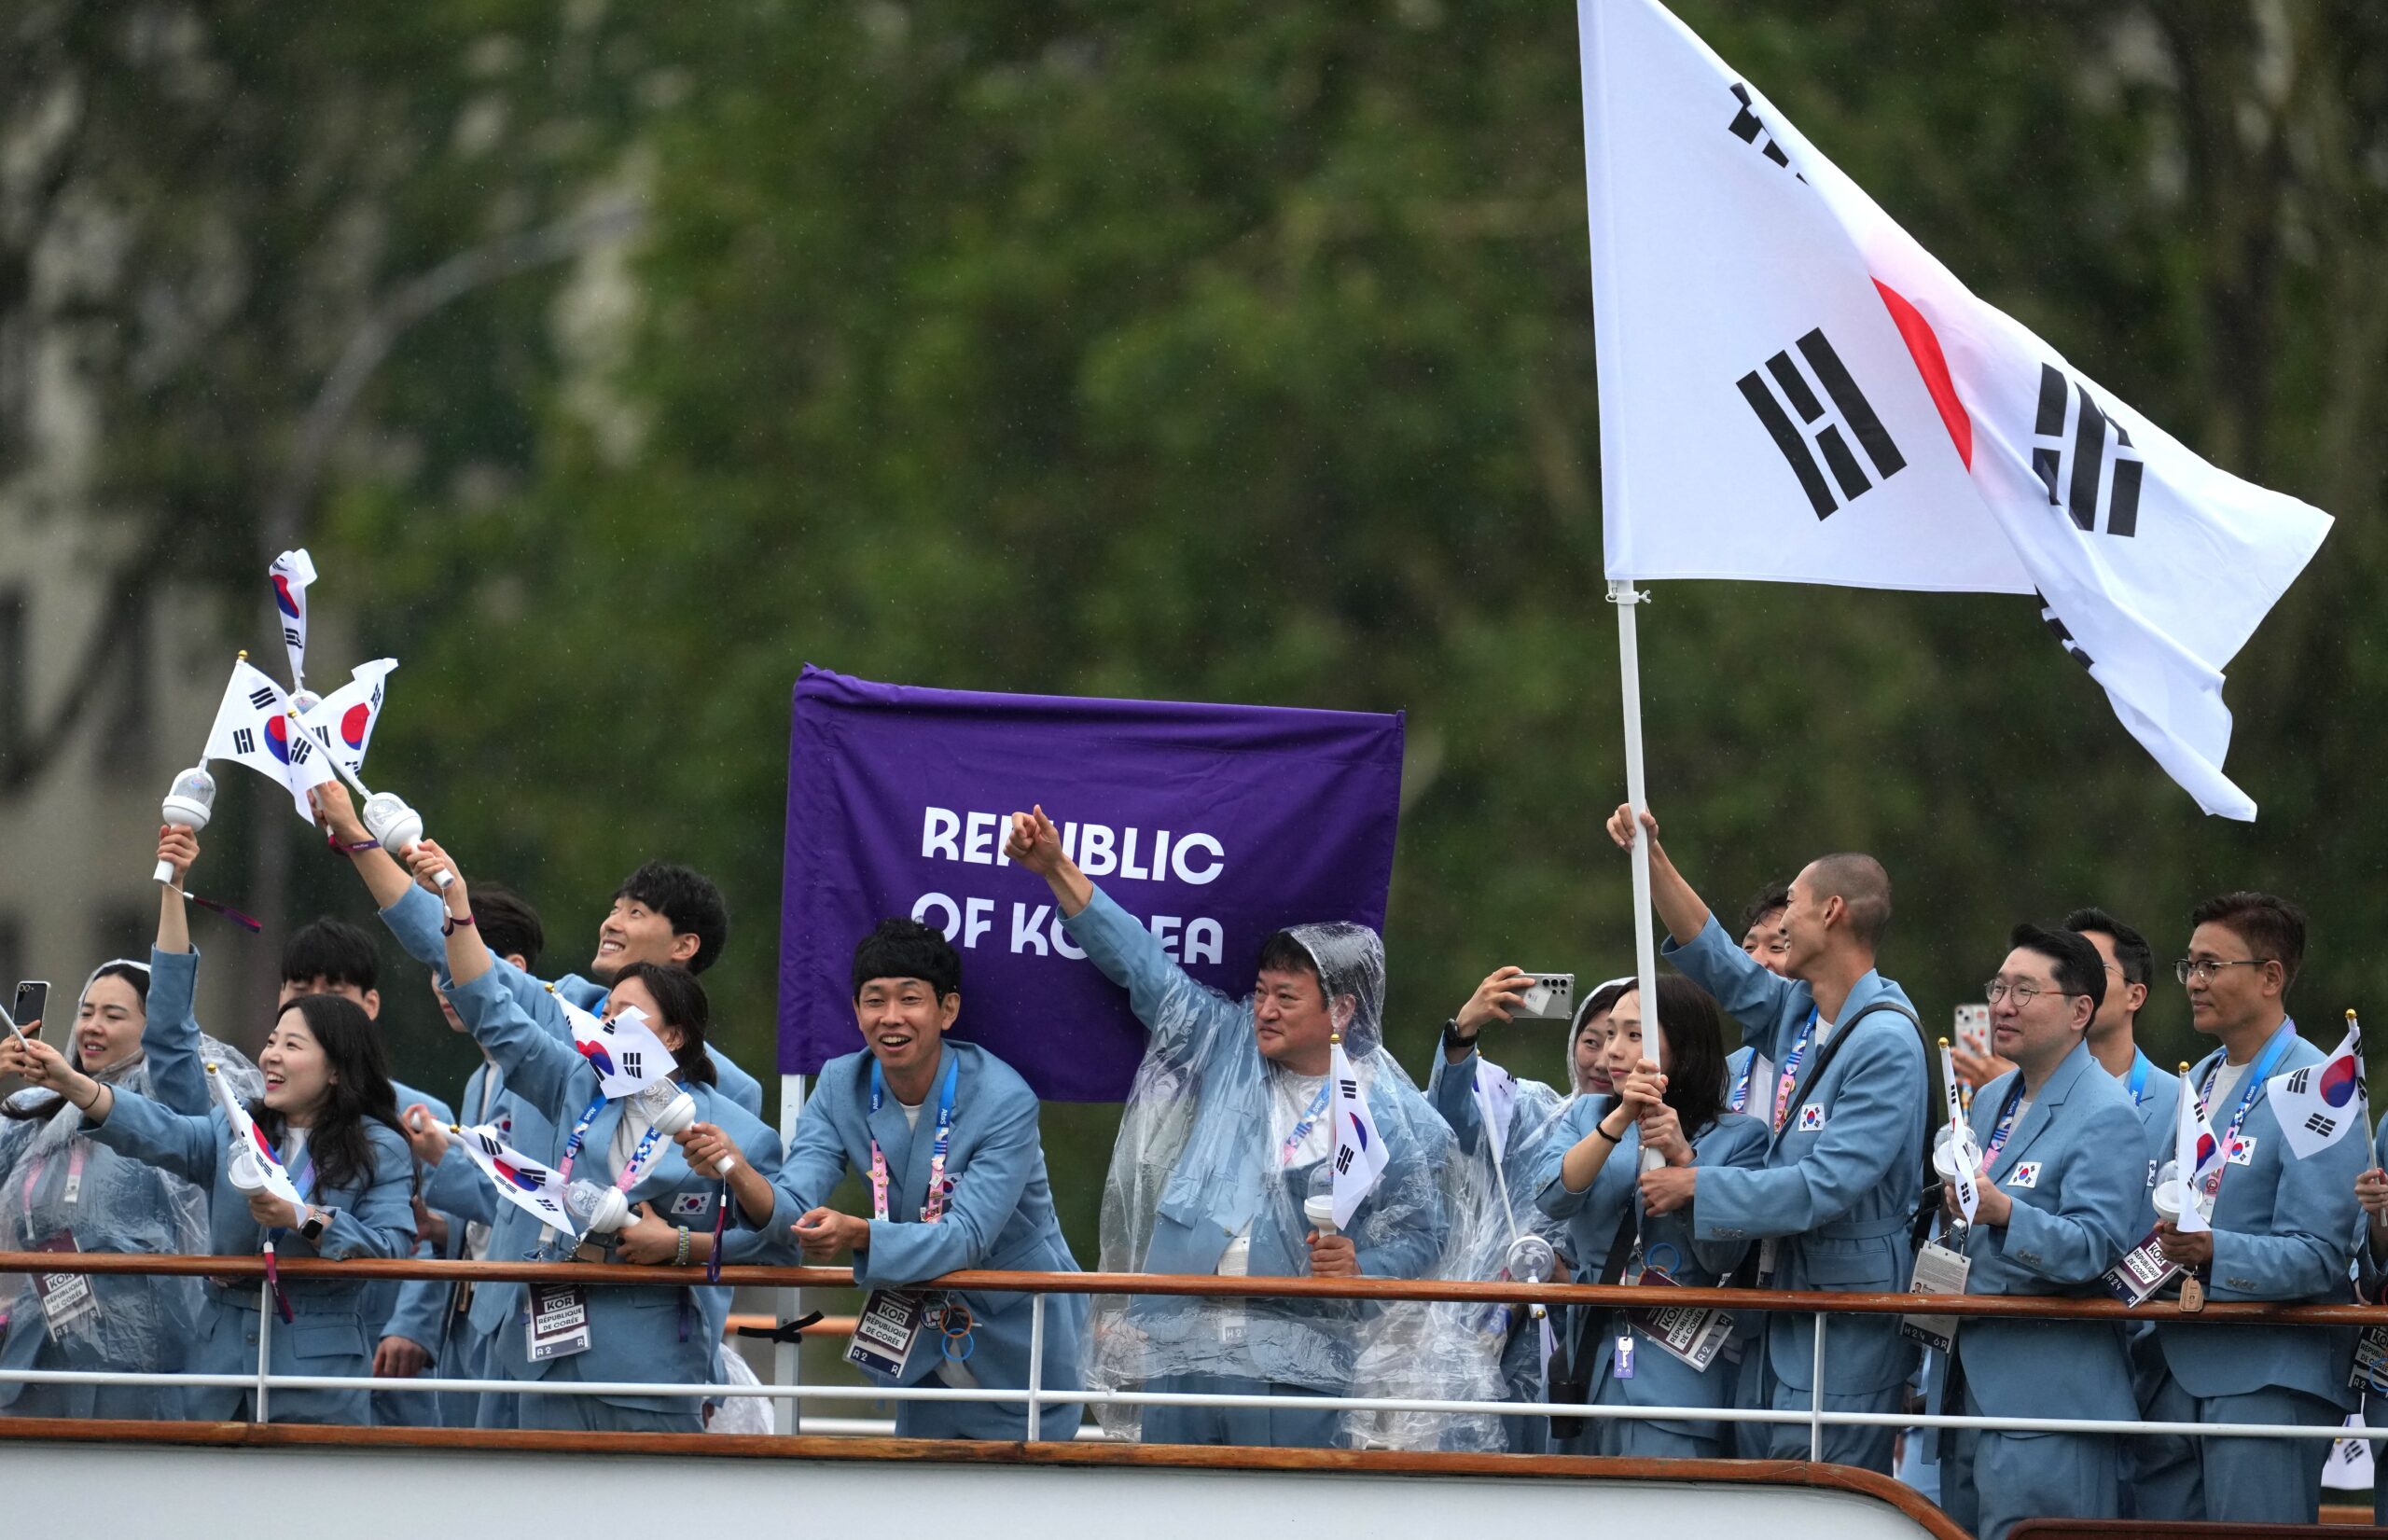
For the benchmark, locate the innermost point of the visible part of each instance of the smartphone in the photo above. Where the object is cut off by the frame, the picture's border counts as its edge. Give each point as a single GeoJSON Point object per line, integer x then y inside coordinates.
{"type": "Point", "coordinates": [1548, 997]}
{"type": "Point", "coordinates": [33, 1002]}
{"type": "Point", "coordinates": [1973, 1027]}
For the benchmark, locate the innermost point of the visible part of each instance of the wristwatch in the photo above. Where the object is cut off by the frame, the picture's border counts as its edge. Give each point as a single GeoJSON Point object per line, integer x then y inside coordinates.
{"type": "Point", "coordinates": [311, 1227]}
{"type": "Point", "coordinates": [1454, 1038]}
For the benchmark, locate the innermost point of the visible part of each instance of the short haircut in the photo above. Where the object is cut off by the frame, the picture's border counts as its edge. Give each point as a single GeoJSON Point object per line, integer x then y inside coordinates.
{"type": "Point", "coordinates": [2132, 954]}
{"type": "Point", "coordinates": [906, 949]}
{"type": "Point", "coordinates": [681, 1000]}
{"type": "Point", "coordinates": [333, 951]}
{"type": "Point", "coordinates": [1862, 885]}
{"type": "Point", "coordinates": [509, 927]}
{"type": "Point", "coordinates": [2273, 927]}
{"type": "Point", "coordinates": [1284, 953]}
{"type": "Point", "coordinates": [689, 902]}
{"type": "Point", "coordinates": [2077, 966]}
{"type": "Point", "coordinates": [1771, 899]}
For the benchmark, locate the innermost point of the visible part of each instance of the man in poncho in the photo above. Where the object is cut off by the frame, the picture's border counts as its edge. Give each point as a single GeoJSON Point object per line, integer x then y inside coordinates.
{"type": "Point", "coordinates": [1226, 1127]}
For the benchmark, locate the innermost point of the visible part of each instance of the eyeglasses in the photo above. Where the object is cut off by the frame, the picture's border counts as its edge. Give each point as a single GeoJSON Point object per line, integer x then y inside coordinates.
{"type": "Point", "coordinates": [1998, 988]}
{"type": "Point", "coordinates": [2197, 970]}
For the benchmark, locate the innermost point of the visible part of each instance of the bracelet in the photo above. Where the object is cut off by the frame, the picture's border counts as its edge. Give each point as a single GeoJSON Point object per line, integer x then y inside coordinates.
{"type": "Point", "coordinates": [1603, 1132]}
{"type": "Point", "coordinates": [681, 1259]}
{"type": "Point", "coordinates": [336, 842]}
{"type": "Point", "coordinates": [451, 924]}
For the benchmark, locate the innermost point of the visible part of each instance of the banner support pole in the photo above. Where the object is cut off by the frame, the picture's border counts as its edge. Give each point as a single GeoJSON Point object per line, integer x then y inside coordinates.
{"type": "Point", "coordinates": [787, 1360]}
{"type": "Point", "coordinates": [1629, 662]}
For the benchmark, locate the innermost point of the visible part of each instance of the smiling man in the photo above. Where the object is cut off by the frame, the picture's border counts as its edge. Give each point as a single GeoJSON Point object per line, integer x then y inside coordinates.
{"type": "Point", "coordinates": [2060, 1192]}
{"type": "Point", "coordinates": [1226, 1124]}
{"type": "Point", "coordinates": [946, 1135]}
{"type": "Point", "coordinates": [2285, 1231]}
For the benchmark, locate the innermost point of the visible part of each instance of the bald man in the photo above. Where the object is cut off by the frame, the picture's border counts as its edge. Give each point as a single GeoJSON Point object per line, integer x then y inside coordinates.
{"type": "Point", "coordinates": [1834, 1205]}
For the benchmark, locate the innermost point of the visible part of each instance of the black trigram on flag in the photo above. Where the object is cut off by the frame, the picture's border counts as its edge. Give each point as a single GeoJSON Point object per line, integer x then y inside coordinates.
{"type": "Point", "coordinates": [302, 749]}
{"type": "Point", "coordinates": [261, 698]}
{"type": "Point", "coordinates": [1350, 1088]}
{"type": "Point", "coordinates": [2322, 1124]}
{"type": "Point", "coordinates": [290, 635]}
{"type": "Point", "coordinates": [2297, 1082]}
{"type": "Point", "coordinates": [1343, 1161]}
{"type": "Point", "coordinates": [1849, 404]}
{"type": "Point", "coordinates": [2062, 633]}
{"type": "Point", "coordinates": [2074, 487]}
{"type": "Point", "coordinates": [244, 740]}
{"type": "Point", "coordinates": [1750, 129]}
{"type": "Point", "coordinates": [631, 1061]}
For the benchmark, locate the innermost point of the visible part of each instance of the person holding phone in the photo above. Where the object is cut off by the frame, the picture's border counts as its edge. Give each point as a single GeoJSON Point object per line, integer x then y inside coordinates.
{"type": "Point", "coordinates": [62, 1191]}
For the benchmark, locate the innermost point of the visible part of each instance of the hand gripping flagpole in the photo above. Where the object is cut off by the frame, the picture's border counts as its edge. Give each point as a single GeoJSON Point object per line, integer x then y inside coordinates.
{"type": "Point", "coordinates": [386, 816]}
{"type": "Point", "coordinates": [1628, 663]}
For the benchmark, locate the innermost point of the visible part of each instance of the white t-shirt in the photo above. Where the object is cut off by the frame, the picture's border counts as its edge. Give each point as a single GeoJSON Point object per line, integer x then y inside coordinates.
{"type": "Point", "coordinates": [911, 1111]}
{"type": "Point", "coordinates": [2225, 1099]}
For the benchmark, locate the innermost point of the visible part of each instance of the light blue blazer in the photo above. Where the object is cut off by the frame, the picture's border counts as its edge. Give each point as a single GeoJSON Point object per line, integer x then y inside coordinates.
{"type": "Point", "coordinates": [415, 921]}
{"type": "Point", "coordinates": [1841, 1184]}
{"type": "Point", "coordinates": [1593, 1216]}
{"type": "Point", "coordinates": [2159, 1108]}
{"type": "Point", "coordinates": [417, 1310]}
{"type": "Point", "coordinates": [666, 1332]}
{"type": "Point", "coordinates": [330, 1334]}
{"type": "Point", "coordinates": [998, 1216]}
{"type": "Point", "coordinates": [2285, 1230]}
{"type": "Point", "coordinates": [2072, 1168]}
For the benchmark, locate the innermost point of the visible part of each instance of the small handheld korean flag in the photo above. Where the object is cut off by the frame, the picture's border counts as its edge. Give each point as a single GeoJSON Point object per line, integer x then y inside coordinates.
{"type": "Point", "coordinates": [1497, 1098]}
{"type": "Point", "coordinates": [246, 1136]}
{"type": "Point", "coordinates": [623, 1050]}
{"type": "Point", "coordinates": [1359, 1149]}
{"type": "Point", "coordinates": [2197, 1154]}
{"type": "Point", "coordinates": [289, 575]}
{"type": "Point", "coordinates": [531, 1185]}
{"type": "Point", "coordinates": [343, 721]}
{"type": "Point", "coordinates": [254, 726]}
{"type": "Point", "coordinates": [1965, 1155]}
{"type": "Point", "coordinates": [2317, 1105]}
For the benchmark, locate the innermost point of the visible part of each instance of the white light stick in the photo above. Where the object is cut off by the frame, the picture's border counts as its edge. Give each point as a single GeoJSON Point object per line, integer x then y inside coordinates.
{"type": "Point", "coordinates": [396, 825]}
{"type": "Point", "coordinates": [1958, 1157]}
{"type": "Point", "coordinates": [1318, 1204]}
{"type": "Point", "coordinates": [189, 803]}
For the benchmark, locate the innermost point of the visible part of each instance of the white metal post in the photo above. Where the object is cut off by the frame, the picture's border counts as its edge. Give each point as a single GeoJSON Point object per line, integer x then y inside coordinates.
{"type": "Point", "coordinates": [787, 1360]}
{"type": "Point", "coordinates": [1629, 665]}
{"type": "Point", "coordinates": [1035, 1367]}
{"type": "Point", "coordinates": [265, 1343]}
{"type": "Point", "coordinates": [1816, 1396]}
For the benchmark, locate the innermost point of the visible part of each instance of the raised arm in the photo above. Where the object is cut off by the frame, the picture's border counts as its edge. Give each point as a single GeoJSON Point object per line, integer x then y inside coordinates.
{"type": "Point", "coordinates": [1866, 1143]}
{"type": "Point", "coordinates": [1680, 907]}
{"type": "Point", "coordinates": [1034, 842]}
{"type": "Point", "coordinates": [383, 878]}
{"type": "Point", "coordinates": [178, 847]}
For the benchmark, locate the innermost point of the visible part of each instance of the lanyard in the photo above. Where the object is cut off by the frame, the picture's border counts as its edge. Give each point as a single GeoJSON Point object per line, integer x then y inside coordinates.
{"type": "Point", "coordinates": [2257, 1075]}
{"type": "Point", "coordinates": [1790, 1076]}
{"type": "Point", "coordinates": [580, 1136]}
{"type": "Point", "coordinates": [1741, 1097]}
{"type": "Point", "coordinates": [637, 1164]}
{"type": "Point", "coordinates": [931, 1201]}
{"type": "Point", "coordinates": [2139, 1068]}
{"type": "Point", "coordinates": [73, 1192]}
{"type": "Point", "coordinates": [1301, 1130]}
{"type": "Point", "coordinates": [2006, 1124]}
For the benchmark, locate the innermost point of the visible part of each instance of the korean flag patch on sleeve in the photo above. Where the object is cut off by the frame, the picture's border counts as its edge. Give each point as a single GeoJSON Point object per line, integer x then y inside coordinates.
{"type": "Point", "coordinates": [688, 1205]}
{"type": "Point", "coordinates": [2025, 1175]}
{"type": "Point", "coordinates": [1811, 1117]}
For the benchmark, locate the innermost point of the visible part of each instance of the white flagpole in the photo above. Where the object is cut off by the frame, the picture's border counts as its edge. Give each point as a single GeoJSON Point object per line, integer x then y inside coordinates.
{"type": "Point", "coordinates": [1628, 663]}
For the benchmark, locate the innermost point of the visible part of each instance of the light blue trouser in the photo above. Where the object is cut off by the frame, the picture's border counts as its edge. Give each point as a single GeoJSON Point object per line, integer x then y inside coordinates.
{"type": "Point", "coordinates": [1246, 1427]}
{"type": "Point", "coordinates": [1867, 1446]}
{"type": "Point", "coordinates": [1990, 1482]}
{"type": "Point", "coordinates": [1622, 1439]}
{"type": "Point", "coordinates": [2230, 1481]}
{"type": "Point", "coordinates": [587, 1414]}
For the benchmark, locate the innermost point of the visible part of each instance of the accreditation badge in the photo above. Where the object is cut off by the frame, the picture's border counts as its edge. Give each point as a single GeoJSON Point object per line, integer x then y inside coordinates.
{"type": "Point", "coordinates": [1938, 1269]}
{"type": "Point", "coordinates": [559, 1321]}
{"type": "Point", "coordinates": [67, 1303]}
{"type": "Point", "coordinates": [890, 1325]}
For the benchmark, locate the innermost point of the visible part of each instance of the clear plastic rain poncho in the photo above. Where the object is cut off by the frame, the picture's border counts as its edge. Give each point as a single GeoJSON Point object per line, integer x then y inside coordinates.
{"type": "Point", "coordinates": [56, 1182]}
{"type": "Point", "coordinates": [1207, 1147]}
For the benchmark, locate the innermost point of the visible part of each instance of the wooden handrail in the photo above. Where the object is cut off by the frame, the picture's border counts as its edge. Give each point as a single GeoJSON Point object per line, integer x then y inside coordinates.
{"type": "Point", "coordinates": [1774, 1472]}
{"type": "Point", "coordinates": [2216, 1313]}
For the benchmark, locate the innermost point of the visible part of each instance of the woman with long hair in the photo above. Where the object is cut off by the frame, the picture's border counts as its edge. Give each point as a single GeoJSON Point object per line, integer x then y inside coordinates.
{"type": "Point", "coordinates": [328, 1112]}
{"type": "Point", "coordinates": [665, 1333]}
{"type": "Point", "coordinates": [1669, 1106]}
{"type": "Point", "coordinates": [61, 1190]}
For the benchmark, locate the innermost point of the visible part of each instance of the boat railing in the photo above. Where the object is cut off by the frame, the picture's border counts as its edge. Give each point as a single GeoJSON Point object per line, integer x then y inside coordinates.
{"type": "Point", "coordinates": [2216, 1315]}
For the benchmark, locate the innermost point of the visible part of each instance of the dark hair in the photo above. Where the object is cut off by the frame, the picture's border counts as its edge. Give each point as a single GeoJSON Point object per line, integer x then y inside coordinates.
{"type": "Point", "coordinates": [1284, 953]}
{"type": "Point", "coordinates": [42, 1109]}
{"type": "Point", "coordinates": [2132, 954]}
{"type": "Point", "coordinates": [2077, 966]}
{"type": "Point", "coordinates": [2273, 928]}
{"type": "Point", "coordinates": [906, 949]}
{"type": "Point", "coordinates": [681, 1001]}
{"type": "Point", "coordinates": [1860, 883]}
{"type": "Point", "coordinates": [509, 927]}
{"type": "Point", "coordinates": [333, 951]}
{"type": "Point", "coordinates": [1695, 1035]}
{"type": "Point", "coordinates": [360, 1090]}
{"type": "Point", "coordinates": [689, 902]}
{"type": "Point", "coordinates": [1601, 999]}
{"type": "Point", "coordinates": [1771, 899]}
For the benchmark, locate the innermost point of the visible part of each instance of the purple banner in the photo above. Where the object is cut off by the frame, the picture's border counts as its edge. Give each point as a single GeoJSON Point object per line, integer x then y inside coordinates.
{"type": "Point", "coordinates": [1214, 825]}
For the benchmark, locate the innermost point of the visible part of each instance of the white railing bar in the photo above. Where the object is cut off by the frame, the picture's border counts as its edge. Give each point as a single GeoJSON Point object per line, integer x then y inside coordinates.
{"type": "Point", "coordinates": [1816, 1398]}
{"type": "Point", "coordinates": [265, 1343]}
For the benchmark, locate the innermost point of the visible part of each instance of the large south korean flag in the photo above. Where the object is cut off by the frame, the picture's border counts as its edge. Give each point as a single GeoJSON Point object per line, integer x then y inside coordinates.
{"type": "Point", "coordinates": [1793, 390]}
